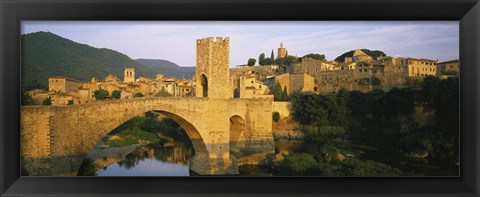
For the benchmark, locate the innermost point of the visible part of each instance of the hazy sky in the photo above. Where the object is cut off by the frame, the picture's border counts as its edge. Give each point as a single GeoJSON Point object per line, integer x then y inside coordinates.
{"type": "Point", "coordinates": [175, 40]}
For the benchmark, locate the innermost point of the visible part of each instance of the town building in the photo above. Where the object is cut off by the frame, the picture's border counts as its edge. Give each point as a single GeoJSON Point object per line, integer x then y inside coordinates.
{"type": "Point", "coordinates": [359, 56]}
{"type": "Point", "coordinates": [451, 67]}
{"type": "Point", "coordinates": [296, 82]}
{"type": "Point", "coordinates": [61, 84]}
{"type": "Point", "coordinates": [249, 87]}
{"type": "Point", "coordinates": [419, 67]}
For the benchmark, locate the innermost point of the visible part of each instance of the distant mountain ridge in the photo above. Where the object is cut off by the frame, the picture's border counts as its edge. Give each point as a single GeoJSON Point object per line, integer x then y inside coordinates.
{"type": "Point", "coordinates": [45, 54]}
{"type": "Point", "coordinates": [168, 68]}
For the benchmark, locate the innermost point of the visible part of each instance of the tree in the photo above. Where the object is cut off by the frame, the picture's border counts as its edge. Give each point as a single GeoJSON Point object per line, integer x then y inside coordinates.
{"type": "Point", "coordinates": [162, 93]}
{"type": "Point", "coordinates": [286, 60]}
{"type": "Point", "coordinates": [268, 61]}
{"type": "Point", "coordinates": [315, 56]}
{"type": "Point", "coordinates": [70, 102]}
{"type": "Point", "coordinates": [431, 87]}
{"type": "Point", "coordinates": [285, 94]}
{"type": "Point", "coordinates": [138, 94]}
{"type": "Point", "coordinates": [277, 92]}
{"type": "Point", "coordinates": [450, 72]}
{"type": "Point", "coordinates": [261, 59]}
{"type": "Point", "coordinates": [27, 99]}
{"type": "Point", "coordinates": [100, 94]}
{"type": "Point", "coordinates": [252, 61]}
{"type": "Point", "coordinates": [272, 56]}
{"type": "Point", "coordinates": [47, 101]}
{"type": "Point", "coordinates": [375, 81]}
{"type": "Point", "coordinates": [341, 116]}
{"type": "Point", "coordinates": [276, 116]}
{"type": "Point", "coordinates": [116, 94]}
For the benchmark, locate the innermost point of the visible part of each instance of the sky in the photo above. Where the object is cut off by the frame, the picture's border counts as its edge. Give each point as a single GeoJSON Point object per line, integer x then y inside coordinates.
{"type": "Point", "coordinates": [175, 40]}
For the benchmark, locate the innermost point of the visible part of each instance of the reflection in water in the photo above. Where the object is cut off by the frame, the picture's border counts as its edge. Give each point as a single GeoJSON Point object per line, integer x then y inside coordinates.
{"type": "Point", "coordinates": [152, 160]}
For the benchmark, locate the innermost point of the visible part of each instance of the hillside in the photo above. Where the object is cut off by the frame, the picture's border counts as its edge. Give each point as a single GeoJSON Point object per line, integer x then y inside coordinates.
{"type": "Point", "coordinates": [168, 68]}
{"type": "Point", "coordinates": [45, 54]}
{"type": "Point", "coordinates": [373, 53]}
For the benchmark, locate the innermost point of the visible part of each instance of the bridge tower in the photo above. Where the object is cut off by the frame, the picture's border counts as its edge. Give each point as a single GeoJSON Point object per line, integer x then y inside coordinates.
{"type": "Point", "coordinates": [212, 69]}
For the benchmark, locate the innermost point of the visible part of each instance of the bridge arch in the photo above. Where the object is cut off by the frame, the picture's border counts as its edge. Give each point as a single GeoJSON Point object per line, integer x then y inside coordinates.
{"type": "Point", "coordinates": [189, 128]}
{"type": "Point", "coordinates": [237, 129]}
{"type": "Point", "coordinates": [197, 140]}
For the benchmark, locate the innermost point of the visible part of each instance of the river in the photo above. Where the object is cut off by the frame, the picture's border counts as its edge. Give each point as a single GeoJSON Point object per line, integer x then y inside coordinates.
{"type": "Point", "coordinates": [173, 160]}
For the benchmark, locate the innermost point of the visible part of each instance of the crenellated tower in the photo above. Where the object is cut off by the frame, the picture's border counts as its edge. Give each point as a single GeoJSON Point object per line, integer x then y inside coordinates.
{"type": "Point", "coordinates": [212, 69]}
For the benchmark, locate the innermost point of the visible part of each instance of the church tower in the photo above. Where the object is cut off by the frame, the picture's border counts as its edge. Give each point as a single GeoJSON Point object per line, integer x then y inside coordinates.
{"type": "Point", "coordinates": [129, 75]}
{"type": "Point", "coordinates": [282, 52]}
{"type": "Point", "coordinates": [212, 69]}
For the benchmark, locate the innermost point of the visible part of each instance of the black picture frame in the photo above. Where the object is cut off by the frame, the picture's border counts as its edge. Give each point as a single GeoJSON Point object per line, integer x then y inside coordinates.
{"type": "Point", "coordinates": [13, 12]}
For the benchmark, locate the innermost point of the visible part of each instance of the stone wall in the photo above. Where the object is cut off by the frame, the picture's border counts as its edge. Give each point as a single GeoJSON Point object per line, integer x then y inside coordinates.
{"type": "Point", "coordinates": [351, 80]}
{"type": "Point", "coordinates": [284, 108]}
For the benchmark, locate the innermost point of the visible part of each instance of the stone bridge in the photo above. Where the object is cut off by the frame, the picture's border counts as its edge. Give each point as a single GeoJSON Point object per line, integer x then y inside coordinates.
{"type": "Point", "coordinates": [224, 132]}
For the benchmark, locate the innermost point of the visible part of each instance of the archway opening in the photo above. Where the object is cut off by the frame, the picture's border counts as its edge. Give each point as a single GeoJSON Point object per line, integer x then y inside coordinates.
{"type": "Point", "coordinates": [204, 85]}
{"type": "Point", "coordinates": [236, 93]}
{"type": "Point", "coordinates": [237, 138]}
{"type": "Point", "coordinates": [160, 141]}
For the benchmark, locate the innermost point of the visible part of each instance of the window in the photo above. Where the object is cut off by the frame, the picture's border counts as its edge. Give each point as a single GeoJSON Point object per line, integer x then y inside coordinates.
{"type": "Point", "coordinates": [451, 66]}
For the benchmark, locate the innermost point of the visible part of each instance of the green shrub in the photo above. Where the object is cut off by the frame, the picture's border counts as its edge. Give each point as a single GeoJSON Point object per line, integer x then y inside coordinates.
{"type": "Point", "coordinates": [162, 93]}
{"type": "Point", "coordinates": [47, 101]}
{"type": "Point", "coordinates": [276, 116]}
{"type": "Point", "coordinates": [138, 94]}
{"type": "Point", "coordinates": [369, 168]}
{"type": "Point", "coordinates": [116, 94]}
{"type": "Point", "coordinates": [299, 164]}
{"type": "Point", "coordinates": [323, 132]}
{"type": "Point", "coordinates": [132, 135]}
{"type": "Point", "coordinates": [100, 94]}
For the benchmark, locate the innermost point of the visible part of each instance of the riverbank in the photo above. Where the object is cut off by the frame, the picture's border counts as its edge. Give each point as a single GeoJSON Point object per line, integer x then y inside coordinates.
{"type": "Point", "coordinates": [103, 155]}
{"type": "Point", "coordinates": [287, 128]}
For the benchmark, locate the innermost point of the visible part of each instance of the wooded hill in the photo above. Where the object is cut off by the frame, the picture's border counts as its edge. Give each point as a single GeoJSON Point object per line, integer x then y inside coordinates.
{"type": "Point", "coordinates": [373, 53]}
{"type": "Point", "coordinates": [45, 54]}
{"type": "Point", "coordinates": [168, 68]}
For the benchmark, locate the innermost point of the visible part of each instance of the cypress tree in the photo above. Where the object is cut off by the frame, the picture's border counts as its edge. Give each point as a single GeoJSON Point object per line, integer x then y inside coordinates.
{"type": "Point", "coordinates": [277, 92]}
{"type": "Point", "coordinates": [272, 56]}
{"type": "Point", "coordinates": [285, 94]}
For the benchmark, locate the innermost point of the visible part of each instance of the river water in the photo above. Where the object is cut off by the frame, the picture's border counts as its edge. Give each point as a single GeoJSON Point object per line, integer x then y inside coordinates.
{"type": "Point", "coordinates": [173, 160]}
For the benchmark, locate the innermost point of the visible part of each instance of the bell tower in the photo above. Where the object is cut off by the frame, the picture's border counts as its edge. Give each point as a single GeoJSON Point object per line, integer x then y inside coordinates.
{"type": "Point", "coordinates": [129, 75]}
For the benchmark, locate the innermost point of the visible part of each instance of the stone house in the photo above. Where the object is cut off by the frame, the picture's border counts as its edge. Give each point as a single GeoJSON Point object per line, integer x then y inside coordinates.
{"type": "Point", "coordinates": [61, 84]}
{"type": "Point", "coordinates": [419, 67]}
{"type": "Point", "coordinates": [297, 82]}
{"type": "Point", "coordinates": [452, 65]}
